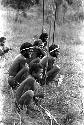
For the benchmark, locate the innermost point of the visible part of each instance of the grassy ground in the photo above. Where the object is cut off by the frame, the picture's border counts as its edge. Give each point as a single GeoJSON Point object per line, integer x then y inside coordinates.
{"type": "Point", "coordinates": [62, 101]}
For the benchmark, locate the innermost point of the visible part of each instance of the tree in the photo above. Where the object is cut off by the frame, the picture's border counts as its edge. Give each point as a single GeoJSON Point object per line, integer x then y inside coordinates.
{"type": "Point", "coordinates": [61, 7]}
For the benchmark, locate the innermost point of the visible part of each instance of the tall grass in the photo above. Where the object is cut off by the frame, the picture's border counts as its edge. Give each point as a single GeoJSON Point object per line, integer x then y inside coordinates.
{"type": "Point", "coordinates": [63, 101]}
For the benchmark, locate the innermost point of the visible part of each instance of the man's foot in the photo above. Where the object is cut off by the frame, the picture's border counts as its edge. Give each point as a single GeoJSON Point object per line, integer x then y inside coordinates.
{"type": "Point", "coordinates": [18, 107]}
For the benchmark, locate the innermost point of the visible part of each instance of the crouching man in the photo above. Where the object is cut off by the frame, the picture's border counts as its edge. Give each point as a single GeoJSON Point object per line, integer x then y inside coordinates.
{"type": "Point", "coordinates": [3, 48]}
{"type": "Point", "coordinates": [19, 70]}
{"type": "Point", "coordinates": [28, 89]}
{"type": "Point", "coordinates": [50, 69]}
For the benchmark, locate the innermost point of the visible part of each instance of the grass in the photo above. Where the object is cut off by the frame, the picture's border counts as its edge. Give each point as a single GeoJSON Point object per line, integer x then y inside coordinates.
{"type": "Point", "coordinates": [63, 101]}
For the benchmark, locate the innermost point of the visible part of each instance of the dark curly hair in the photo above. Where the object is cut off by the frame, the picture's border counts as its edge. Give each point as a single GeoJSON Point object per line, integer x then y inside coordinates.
{"type": "Point", "coordinates": [24, 47]}
{"type": "Point", "coordinates": [52, 49]}
{"type": "Point", "coordinates": [43, 37]}
{"type": "Point", "coordinates": [37, 42]}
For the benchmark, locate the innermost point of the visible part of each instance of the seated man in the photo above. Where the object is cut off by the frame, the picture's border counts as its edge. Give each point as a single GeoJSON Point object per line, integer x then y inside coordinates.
{"type": "Point", "coordinates": [28, 89]}
{"type": "Point", "coordinates": [18, 70]}
{"type": "Point", "coordinates": [38, 52]}
{"type": "Point", "coordinates": [44, 37]}
{"type": "Point", "coordinates": [3, 49]}
{"type": "Point", "coordinates": [2, 41]}
{"type": "Point", "coordinates": [50, 70]}
{"type": "Point", "coordinates": [38, 49]}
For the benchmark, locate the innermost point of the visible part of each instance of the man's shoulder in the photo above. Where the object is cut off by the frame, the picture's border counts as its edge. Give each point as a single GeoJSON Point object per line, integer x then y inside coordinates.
{"type": "Point", "coordinates": [19, 57]}
{"type": "Point", "coordinates": [47, 58]}
{"type": "Point", "coordinates": [30, 78]}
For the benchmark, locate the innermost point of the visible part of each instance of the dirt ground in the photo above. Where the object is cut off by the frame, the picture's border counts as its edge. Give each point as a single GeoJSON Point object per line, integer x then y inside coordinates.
{"type": "Point", "coordinates": [70, 38]}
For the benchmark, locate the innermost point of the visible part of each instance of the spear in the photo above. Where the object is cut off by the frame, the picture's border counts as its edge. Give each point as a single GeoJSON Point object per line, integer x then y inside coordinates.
{"type": "Point", "coordinates": [54, 28]}
{"type": "Point", "coordinates": [43, 17]}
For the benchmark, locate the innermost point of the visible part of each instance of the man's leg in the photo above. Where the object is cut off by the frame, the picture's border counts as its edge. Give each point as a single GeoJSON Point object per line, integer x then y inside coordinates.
{"type": "Point", "coordinates": [13, 81]}
{"type": "Point", "coordinates": [26, 98]}
{"type": "Point", "coordinates": [22, 74]}
{"type": "Point", "coordinates": [13, 84]}
{"type": "Point", "coordinates": [52, 73]}
{"type": "Point", "coordinates": [24, 86]}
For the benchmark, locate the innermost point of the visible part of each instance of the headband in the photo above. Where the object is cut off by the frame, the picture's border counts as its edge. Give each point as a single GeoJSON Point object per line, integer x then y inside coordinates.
{"type": "Point", "coordinates": [26, 49]}
{"type": "Point", "coordinates": [54, 50]}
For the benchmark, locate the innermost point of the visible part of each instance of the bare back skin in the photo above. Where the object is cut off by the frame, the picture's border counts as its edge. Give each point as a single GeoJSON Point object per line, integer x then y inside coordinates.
{"type": "Point", "coordinates": [17, 65]}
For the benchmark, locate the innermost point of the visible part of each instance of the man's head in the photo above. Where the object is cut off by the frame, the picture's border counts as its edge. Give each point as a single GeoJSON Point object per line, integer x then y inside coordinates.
{"type": "Point", "coordinates": [26, 49]}
{"type": "Point", "coordinates": [44, 37]}
{"type": "Point", "coordinates": [2, 41]}
{"type": "Point", "coordinates": [54, 50]}
{"type": "Point", "coordinates": [36, 70]}
{"type": "Point", "coordinates": [38, 43]}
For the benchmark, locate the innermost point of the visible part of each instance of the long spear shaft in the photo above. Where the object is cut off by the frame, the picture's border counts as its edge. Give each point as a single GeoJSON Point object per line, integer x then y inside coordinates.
{"type": "Point", "coordinates": [54, 28]}
{"type": "Point", "coordinates": [43, 17]}
{"type": "Point", "coordinates": [47, 57]}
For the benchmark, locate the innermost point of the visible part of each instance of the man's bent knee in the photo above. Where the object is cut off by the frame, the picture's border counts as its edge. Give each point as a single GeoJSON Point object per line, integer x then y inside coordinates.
{"type": "Point", "coordinates": [56, 69]}
{"type": "Point", "coordinates": [26, 98]}
{"type": "Point", "coordinates": [12, 82]}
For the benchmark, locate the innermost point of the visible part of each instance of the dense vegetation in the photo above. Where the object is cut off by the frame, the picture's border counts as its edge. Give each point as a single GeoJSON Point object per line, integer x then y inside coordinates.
{"type": "Point", "coordinates": [20, 4]}
{"type": "Point", "coordinates": [50, 7]}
